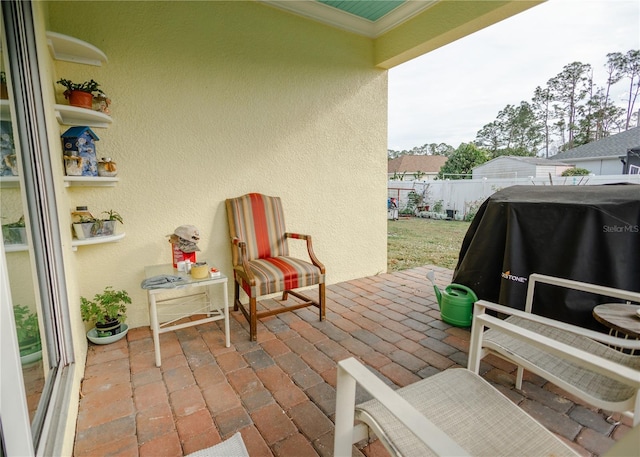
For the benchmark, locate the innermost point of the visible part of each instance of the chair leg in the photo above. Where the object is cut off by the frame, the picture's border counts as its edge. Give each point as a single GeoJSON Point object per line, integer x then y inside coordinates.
{"type": "Point", "coordinates": [519, 376]}
{"type": "Point", "coordinates": [236, 295]}
{"type": "Point", "coordinates": [253, 322]}
{"type": "Point", "coordinates": [321, 292]}
{"type": "Point", "coordinates": [475, 342]}
{"type": "Point", "coordinates": [345, 404]}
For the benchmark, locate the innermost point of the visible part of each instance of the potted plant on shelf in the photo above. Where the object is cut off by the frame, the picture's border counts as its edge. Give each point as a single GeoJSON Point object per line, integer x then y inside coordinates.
{"type": "Point", "coordinates": [28, 334]}
{"type": "Point", "coordinates": [89, 226]}
{"type": "Point", "coordinates": [15, 232]}
{"type": "Point", "coordinates": [83, 227]}
{"type": "Point", "coordinates": [81, 94]}
{"type": "Point", "coordinates": [106, 226]}
{"type": "Point", "coordinates": [107, 311]}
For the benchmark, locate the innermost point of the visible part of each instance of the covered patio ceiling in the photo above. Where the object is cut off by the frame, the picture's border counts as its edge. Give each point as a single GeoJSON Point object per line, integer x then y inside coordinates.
{"type": "Point", "coordinates": [405, 29]}
{"type": "Point", "coordinates": [364, 17]}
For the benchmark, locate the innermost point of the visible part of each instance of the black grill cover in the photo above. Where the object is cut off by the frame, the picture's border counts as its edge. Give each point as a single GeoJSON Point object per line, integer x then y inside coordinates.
{"type": "Point", "coordinates": [585, 233]}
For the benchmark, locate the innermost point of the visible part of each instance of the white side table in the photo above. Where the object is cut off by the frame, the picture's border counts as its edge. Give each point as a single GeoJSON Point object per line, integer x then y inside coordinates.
{"type": "Point", "coordinates": [200, 298]}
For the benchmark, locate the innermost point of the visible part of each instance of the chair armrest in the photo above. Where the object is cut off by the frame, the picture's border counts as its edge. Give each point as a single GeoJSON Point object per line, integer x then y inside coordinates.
{"type": "Point", "coordinates": [592, 362]}
{"type": "Point", "coordinates": [576, 285]}
{"type": "Point", "coordinates": [481, 305]}
{"type": "Point", "coordinates": [350, 372]}
{"type": "Point", "coordinates": [307, 238]}
{"type": "Point", "coordinates": [242, 248]}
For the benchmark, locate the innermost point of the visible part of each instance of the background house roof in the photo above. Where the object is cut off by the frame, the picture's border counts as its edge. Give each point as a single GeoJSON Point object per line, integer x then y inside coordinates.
{"type": "Point", "coordinates": [613, 146]}
{"type": "Point", "coordinates": [413, 163]}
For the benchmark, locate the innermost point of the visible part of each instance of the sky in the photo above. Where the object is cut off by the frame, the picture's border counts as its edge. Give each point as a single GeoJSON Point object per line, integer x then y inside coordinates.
{"type": "Point", "coordinates": [448, 95]}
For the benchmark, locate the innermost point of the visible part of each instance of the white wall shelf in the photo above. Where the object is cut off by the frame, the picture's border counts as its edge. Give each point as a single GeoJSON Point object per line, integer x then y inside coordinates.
{"type": "Point", "coordinates": [89, 181]}
{"type": "Point", "coordinates": [96, 240]}
{"type": "Point", "coordinates": [71, 49]}
{"type": "Point", "coordinates": [5, 113]}
{"type": "Point", "coordinates": [72, 115]}
{"type": "Point", "coordinates": [15, 247]}
{"type": "Point", "coordinates": [9, 181]}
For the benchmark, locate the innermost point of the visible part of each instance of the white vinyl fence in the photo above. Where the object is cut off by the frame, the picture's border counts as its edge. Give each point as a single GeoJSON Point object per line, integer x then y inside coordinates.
{"type": "Point", "coordinates": [462, 197]}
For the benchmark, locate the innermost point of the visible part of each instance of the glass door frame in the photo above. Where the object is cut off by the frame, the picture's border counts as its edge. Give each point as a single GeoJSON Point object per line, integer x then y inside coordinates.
{"type": "Point", "coordinates": [45, 434]}
{"type": "Point", "coordinates": [14, 415]}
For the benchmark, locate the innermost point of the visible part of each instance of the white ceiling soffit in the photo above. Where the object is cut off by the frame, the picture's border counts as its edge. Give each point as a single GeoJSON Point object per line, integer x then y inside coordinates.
{"type": "Point", "coordinates": [350, 22]}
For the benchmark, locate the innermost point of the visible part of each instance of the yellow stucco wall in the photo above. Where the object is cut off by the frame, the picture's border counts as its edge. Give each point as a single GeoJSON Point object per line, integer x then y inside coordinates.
{"type": "Point", "coordinates": [212, 100]}
{"type": "Point", "coordinates": [215, 99]}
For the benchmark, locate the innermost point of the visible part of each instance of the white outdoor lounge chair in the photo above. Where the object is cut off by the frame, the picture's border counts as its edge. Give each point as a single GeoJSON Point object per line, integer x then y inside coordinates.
{"type": "Point", "coordinates": [583, 362]}
{"type": "Point", "coordinates": [452, 413]}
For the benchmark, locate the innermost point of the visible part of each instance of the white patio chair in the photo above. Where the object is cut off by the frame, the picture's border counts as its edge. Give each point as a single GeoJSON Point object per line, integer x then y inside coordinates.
{"type": "Point", "coordinates": [232, 447]}
{"type": "Point", "coordinates": [582, 362]}
{"type": "Point", "coordinates": [452, 413]}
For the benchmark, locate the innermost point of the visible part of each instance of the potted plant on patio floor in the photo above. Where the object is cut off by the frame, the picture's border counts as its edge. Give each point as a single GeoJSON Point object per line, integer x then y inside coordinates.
{"type": "Point", "coordinates": [107, 311]}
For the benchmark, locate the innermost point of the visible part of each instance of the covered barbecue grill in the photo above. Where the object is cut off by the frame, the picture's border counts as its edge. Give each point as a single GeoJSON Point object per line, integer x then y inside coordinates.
{"type": "Point", "coordinates": [584, 233]}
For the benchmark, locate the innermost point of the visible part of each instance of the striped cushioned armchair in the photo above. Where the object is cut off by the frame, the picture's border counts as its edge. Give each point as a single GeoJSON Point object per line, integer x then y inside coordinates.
{"type": "Point", "coordinates": [261, 261]}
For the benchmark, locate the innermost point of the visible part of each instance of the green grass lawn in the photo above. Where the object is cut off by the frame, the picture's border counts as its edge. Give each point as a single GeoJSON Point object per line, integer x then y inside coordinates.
{"type": "Point", "coordinates": [415, 242]}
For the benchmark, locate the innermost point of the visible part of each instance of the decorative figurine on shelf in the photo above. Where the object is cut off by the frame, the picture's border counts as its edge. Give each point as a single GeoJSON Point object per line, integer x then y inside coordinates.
{"type": "Point", "coordinates": [107, 167]}
{"type": "Point", "coordinates": [8, 164]}
{"type": "Point", "coordinates": [184, 241]}
{"type": "Point", "coordinates": [80, 142]}
{"type": "Point", "coordinates": [73, 165]}
{"type": "Point", "coordinates": [101, 103]}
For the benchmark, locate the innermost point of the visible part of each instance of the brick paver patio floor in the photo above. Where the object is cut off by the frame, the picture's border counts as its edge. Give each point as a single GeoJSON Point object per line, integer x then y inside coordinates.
{"type": "Point", "coordinates": [279, 392]}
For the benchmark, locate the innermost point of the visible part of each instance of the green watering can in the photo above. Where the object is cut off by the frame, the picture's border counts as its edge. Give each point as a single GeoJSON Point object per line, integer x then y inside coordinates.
{"type": "Point", "coordinates": [455, 302]}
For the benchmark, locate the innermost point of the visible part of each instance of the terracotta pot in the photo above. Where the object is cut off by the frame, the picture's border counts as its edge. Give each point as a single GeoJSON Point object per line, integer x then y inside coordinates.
{"type": "Point", "coordinates": [79, 98]}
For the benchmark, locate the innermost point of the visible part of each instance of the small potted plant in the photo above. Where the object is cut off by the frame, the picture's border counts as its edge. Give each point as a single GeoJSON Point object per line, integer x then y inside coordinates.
{"type": "Point", "coordinates": [88, 226]}
{"type": "Point", "coordinates": [81, 94]}
{"type": "Point", "coordinates": [28, 334]}
{"type": "Point", "coordinates": [83, 227]}
{"type": "Point", "coordinates": [15, 232]}
{"type": "Point", "coordinates": [107, 225]}
{"type": "Point", "coordinates": [107, 311]}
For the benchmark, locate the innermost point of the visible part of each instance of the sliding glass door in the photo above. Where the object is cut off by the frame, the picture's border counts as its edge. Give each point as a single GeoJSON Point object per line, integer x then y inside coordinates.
{"type": "Point", "coordinates": [34, 337]}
